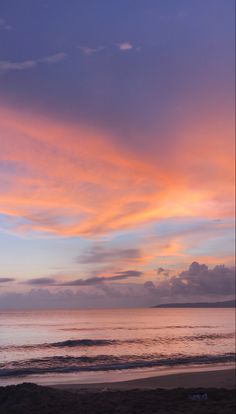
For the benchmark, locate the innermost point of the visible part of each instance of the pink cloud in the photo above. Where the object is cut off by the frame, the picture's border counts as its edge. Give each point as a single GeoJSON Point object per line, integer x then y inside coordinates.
{"type": "Point", "coordinates": [73, 180]}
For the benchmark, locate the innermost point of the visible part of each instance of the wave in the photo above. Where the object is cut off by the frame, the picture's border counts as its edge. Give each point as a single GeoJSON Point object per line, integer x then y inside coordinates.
{"type": "Point", "coordinates": [141, 328]}
{"type": "Point", "coordinates": [69, 364]}
{"type": "Point", "coordinates": [77, 343]}
{"type": "Point", "coordinates": [69, 343]}
{"type": "Point", "coordinates": [82, 342]}
{"type": "Point", "coordinates": [203, 337]}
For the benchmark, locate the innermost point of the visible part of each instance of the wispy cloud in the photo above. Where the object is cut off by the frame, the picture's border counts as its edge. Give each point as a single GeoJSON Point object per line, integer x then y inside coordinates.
{"type": "Point", "coordinates": [57, 57]}
{"type": "Point", "coordinates": [6, 279]}
{"type": "Point", "coordinates": [91, 50]}
{"type": "Point", "coordinates": [48, 281]}
{"type": "Point", "coordinates": [41, 281]}
{"type": "Point", "coordinates": [58, 192]}
{"type": "Point", "coordinates": [6, 65]}
{"type": "Point", "coordinates": [124, 46]}
{"type": "Point", "coordinates": [100, 253]}
{"type": "Point", "coordinates": [126, 274]}
{"type": "Point", "coordinates": [4, 25]}
{"type": "Point", "coordinates": [96, 280]}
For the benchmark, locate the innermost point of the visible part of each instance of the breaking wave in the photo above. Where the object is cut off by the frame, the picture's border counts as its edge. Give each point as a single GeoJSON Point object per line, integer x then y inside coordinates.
{"type": "Point", "coordinates": [69, 364]}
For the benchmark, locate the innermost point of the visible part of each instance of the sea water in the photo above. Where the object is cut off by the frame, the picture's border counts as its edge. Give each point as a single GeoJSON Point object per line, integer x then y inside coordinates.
{"type": "Point", "coordinates": [98, 344]}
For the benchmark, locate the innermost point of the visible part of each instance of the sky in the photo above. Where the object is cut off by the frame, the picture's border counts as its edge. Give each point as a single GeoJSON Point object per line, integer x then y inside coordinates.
{"type": "Point", "coordinates": [116, 152]}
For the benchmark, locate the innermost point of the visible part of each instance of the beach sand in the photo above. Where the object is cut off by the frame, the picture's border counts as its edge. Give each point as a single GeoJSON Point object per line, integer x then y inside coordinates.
{"type": "Point", "coordinates": [214, 378]}
{"type": "Point", "coordinates": [155, 395]}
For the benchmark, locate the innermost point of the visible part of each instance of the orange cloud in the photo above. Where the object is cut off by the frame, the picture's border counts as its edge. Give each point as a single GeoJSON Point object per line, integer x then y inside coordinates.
{"type": "Point", "coordinates": [72, 180]}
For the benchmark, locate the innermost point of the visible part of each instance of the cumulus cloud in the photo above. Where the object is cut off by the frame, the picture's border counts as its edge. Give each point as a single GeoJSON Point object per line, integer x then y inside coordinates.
{"type": "Point", "coordinates": [195, 282]}
{"type": "Point", "coordinates": [100, 253]}
{"type": "Point", "coordinates": [149, 285]}
{"type": "Point", "coordinates": [6, 279]}
{"type": "Point", "coordinates": [124, 46]}
{"type": "Point", "coordinates": [199, 279]}
{"type": "Point", "coordinates": [93, 296]}
{"type": "Point", "coordinates": [6, 65]}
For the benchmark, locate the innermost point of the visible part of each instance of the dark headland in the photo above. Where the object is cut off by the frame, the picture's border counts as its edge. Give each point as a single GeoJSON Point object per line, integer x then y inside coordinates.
{"type": "Point", "coordinates": [225, 304]}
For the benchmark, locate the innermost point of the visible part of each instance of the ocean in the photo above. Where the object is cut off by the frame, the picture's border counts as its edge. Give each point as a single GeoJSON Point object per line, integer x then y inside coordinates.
{"type": "Point", "coordinates": [101, 345]}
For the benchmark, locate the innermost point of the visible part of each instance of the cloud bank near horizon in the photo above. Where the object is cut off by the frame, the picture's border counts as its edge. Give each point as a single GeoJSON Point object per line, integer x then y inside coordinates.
{"type": "Point", "coordinates": [197, 283]}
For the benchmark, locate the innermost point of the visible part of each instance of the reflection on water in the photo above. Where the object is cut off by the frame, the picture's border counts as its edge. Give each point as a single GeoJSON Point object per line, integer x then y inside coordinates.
{"type": "Point", "coordinates": [43, 342]}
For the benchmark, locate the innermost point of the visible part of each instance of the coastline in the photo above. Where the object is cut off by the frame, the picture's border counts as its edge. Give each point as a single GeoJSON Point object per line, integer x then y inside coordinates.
{"type": "Point", "coordinates": [211, 378]}
{"type": "Point", "coordinates": [214, 375]}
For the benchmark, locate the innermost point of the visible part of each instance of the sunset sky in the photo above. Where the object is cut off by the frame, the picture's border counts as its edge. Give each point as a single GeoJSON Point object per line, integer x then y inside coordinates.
{"type": "Point", "coordinates": [116, 152]}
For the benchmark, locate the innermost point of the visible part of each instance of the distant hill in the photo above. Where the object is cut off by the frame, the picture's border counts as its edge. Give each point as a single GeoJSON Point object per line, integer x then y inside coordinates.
{"type": "Point", "coordinates": [226, 304]}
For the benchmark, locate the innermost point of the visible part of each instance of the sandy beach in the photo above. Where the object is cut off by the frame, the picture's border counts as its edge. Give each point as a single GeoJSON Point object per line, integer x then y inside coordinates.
{"type": "Point", "coordinates": [213, 378]}
{"type": "Point", "coordinates": [155, 395]}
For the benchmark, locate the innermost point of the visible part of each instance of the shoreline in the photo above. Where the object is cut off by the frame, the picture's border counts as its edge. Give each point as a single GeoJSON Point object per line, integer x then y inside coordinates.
{"type": "Point", "coordinates": [211, 378]}
{"type": "Point", "coordinates": [195, 376]}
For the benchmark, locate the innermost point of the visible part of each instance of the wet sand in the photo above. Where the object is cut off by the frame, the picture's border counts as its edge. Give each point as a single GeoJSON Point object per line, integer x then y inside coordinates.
{"type": "Point", "coordinates": [224, 378]}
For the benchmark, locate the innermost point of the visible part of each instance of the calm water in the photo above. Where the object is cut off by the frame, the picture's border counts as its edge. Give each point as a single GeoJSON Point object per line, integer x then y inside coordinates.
{"type": "Point", "coordinates": [84, 342]}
